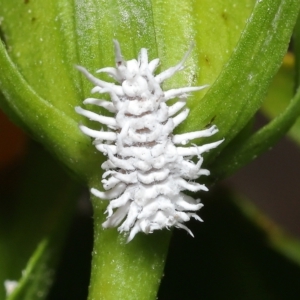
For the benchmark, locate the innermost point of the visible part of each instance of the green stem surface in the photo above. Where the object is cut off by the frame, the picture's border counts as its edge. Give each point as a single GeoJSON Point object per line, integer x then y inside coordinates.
{"type": "Point", "coordinates": [126, 271]}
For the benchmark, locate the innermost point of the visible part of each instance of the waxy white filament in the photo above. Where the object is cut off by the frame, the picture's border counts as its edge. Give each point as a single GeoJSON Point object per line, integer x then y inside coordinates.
{"type": "Point", "coordinates": [145, 171]}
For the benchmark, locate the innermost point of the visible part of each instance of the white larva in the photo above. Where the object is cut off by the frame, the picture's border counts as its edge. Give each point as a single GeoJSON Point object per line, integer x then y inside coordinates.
{"type": "Point", "coordinates": [145, 172]}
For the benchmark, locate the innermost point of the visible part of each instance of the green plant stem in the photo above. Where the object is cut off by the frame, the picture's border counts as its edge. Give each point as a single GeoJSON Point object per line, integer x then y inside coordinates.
{"type": "Point", "coordinates": [125, 271]}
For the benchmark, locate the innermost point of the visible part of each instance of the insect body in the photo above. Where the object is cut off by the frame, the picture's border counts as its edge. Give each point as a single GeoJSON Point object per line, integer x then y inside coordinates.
{"type": "Point", "coordinates": [146, 171]}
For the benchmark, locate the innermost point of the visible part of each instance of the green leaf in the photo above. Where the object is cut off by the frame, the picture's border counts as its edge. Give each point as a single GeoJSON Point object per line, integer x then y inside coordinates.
{"type": "Point", "coordinates": [268, 36]}
{"type": "Point", "coordinates": [39, 81]}
{"type": "Point", "coordinates": [243, 84]}
{"type": "Point", "coordinates": [236, 156]}
{"type": "Point", "coordinates": [279, 95]}
{"type": "Point", "coordinates": [46, 58]}
{"type": "Point", "coordinates": [283, 86]}
{"type": "Point", "coordinates": [47, 124]}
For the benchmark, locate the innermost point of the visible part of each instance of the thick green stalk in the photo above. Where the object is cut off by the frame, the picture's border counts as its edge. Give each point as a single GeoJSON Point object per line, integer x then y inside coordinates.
{"type": "Point", "coordinates": [125, 271]}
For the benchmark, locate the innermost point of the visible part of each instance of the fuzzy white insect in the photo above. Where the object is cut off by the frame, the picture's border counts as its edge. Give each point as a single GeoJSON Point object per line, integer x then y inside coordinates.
{"type": "Point", "coordinates": [145, 172]}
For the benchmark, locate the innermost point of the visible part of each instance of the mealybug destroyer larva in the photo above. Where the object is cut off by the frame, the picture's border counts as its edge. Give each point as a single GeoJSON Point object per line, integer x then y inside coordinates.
{"type": "Point", "coordinates": [145, 172]}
